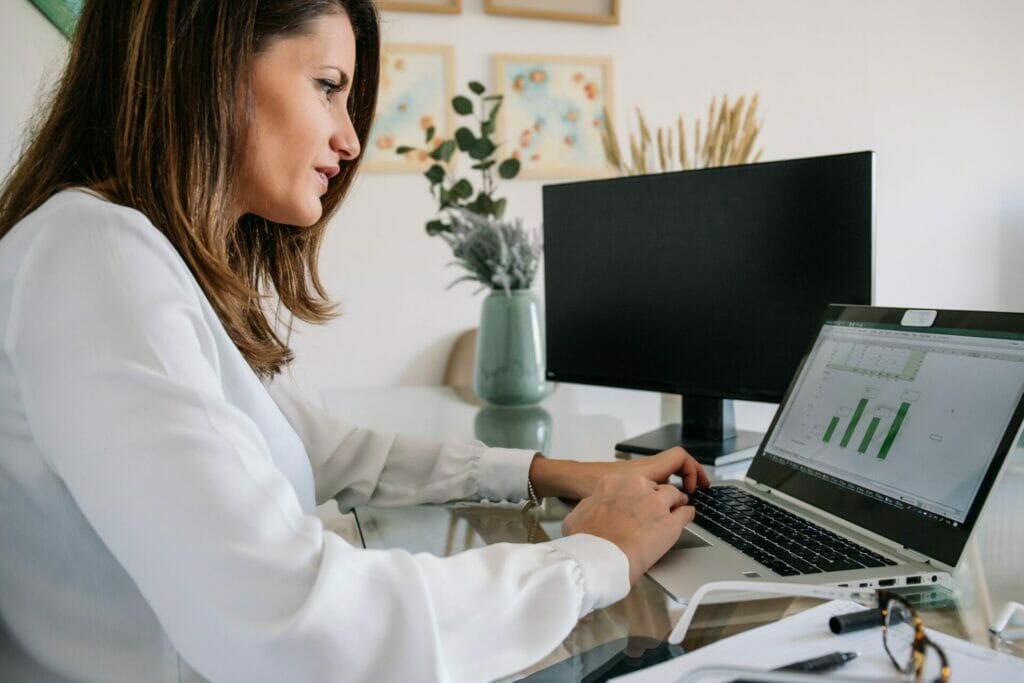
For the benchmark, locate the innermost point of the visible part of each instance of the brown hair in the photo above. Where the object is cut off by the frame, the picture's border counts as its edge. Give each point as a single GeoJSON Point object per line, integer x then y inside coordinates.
{"type": "Point", "coordinates": [147, 113]}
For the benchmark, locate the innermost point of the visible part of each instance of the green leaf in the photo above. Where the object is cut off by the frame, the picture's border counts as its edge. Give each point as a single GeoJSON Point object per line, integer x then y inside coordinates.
{"type": "Point", "coordinates": [484, 165]}
{"type": "Point", "coordinates": [499, 207]}
{"type": "Point", "coordinates": [494, 112]}
{"type": "Point", "coordinates": [447, 148]}
{"type": "Point", "coordinates": [430, 133]}
{"type": "Point", "coordinates": [487, 128]}
{"type": "Point", "coordinates": [404, 149]}
{"type": "Point", "coordinates": [462, 105]}
{"type": "Point", "coordinates": [482, 149]}
{"type": "Point", "coordinates": [435, 174]}
{"type": "Point", "coordinates": [477, 87]}
{"type": "Point", "coordinates": [509, 168]}
{"type": "Point", "coordinates": [462, 189]}
{"type": "Point", "coordinates": [482, 205]}
{"type": "Point", "coordinates": [436, 227]}
{"type": "Point", "coordinates": [465, 138]}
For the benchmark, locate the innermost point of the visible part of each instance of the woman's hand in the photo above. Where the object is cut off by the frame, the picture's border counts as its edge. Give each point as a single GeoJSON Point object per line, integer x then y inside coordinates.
{"type": "Point", "coordinates": [629, 503]}
{"type": "Point", "coordinates": [576, 480]}
{"type": "Point", "coordinates": [640, 516]}
{"type": "Point", "coordinates": [660, 467]}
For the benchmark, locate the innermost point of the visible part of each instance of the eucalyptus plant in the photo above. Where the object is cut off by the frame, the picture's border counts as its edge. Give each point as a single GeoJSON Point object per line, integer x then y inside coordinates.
{"type": "Point", "coordinates": [455, 192]}
{"type": "Point", "coordinates": [496, 252]}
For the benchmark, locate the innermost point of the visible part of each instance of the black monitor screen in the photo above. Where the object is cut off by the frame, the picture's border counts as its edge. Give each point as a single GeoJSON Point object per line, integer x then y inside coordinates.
{"type": "Point", "coordinates": [707, 282]}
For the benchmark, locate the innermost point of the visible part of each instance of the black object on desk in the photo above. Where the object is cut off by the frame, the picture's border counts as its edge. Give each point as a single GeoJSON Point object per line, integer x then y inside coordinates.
{"type": "Point", "coordinates": [822, 664]}
{"type": "Point", "coordinates": [828, 662]}
{"type": "Point", "coordinates": [855, 621]}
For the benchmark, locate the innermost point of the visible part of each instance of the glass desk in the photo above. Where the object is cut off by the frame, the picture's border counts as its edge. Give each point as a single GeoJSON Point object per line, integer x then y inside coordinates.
{"type": "Point", "coordinates": [584, 423]}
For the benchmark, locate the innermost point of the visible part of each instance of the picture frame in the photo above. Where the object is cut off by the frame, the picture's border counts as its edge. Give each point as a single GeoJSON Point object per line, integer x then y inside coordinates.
{"type": "Point", "coordinates": [437, 6]}
{"type": "Point", "coordinates": [586, 11]}
{"type": "Point", "coordinates": [416, 89]}
{"type": "Point", "coordinates": [63, 14]}
{"type": "Point", "coordinates": [553, 110]}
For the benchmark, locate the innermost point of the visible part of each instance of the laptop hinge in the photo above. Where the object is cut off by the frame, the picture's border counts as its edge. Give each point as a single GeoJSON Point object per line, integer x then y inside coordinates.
{"type": "Point", "coordinates": [916, 556]}
{"type": "Point", "coordinates": [756, 485]}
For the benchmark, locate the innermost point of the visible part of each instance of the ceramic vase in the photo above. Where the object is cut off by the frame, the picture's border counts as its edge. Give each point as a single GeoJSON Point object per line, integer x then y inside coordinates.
{"type": "Point", "coordinates": [510, 356]}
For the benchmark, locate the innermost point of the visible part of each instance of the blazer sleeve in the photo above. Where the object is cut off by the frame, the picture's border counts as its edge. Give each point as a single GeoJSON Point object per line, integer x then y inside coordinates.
{"type": "Point", "coordinates": [112, 359]}
{"type": "Point", "coordinates": [362, 466]}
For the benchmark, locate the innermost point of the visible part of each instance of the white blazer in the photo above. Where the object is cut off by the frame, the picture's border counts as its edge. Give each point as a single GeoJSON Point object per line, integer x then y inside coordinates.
{"type": "Point", "coordinates": [157, 501]}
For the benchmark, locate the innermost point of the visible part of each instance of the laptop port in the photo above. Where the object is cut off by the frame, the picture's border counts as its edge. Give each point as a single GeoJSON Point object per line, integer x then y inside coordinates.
{"type": "Point", "coordinates": [863, 585]}
{"type": "Point", "coordinates": [887, 582]}
{"type": "Point", "coordinates": [913, 580]}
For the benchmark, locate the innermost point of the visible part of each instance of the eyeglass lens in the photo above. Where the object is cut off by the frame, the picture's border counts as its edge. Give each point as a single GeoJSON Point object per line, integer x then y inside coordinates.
{"type": "Point", "coordinates": [900, 634]}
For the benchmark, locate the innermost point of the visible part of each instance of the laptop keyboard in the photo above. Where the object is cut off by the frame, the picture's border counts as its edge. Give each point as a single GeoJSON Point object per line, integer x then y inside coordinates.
{"type": "Point", "coordinates": [778, 539]}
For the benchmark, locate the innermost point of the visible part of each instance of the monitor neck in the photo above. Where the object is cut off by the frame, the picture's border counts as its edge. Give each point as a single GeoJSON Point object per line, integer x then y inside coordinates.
{"type": "Point", "coordinates": [708, 419]}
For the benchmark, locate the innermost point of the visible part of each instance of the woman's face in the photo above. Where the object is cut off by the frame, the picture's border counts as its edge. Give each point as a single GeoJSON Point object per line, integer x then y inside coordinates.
{"type": "Point", "coordinates": [301, 131]}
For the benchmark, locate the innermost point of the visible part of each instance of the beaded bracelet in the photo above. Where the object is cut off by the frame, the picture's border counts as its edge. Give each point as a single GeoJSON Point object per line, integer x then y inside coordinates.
{"type": "Point", "coordinates": [533, 494]}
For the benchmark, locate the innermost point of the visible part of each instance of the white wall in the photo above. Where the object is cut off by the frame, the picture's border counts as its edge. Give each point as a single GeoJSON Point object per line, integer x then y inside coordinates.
{"type": "Point", "coordinates": [928, 84]}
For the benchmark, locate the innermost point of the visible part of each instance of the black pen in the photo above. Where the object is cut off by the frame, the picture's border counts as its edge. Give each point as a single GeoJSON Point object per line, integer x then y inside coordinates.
{"type": "Point", "coordinates": [820, 664]}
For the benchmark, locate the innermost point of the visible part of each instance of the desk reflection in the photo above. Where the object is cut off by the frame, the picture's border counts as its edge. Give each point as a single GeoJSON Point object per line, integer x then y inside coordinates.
{"type": "Point", "coordinates": [514, 427]}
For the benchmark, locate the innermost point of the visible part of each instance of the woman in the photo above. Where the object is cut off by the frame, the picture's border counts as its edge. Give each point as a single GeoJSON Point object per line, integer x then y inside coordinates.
{"type": "Point", "coordinates": [157, 500]}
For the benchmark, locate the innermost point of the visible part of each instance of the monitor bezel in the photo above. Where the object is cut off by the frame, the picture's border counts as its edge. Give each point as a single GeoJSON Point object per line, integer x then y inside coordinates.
{"type": "Point", "coordinates": [932, 538]}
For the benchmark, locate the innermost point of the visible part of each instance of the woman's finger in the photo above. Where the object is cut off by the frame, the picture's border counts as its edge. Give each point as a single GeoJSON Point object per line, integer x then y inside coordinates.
{"type": "Point", "coordinates": [693, 474]}
{"type": "Point", "coordinates": [686, 513]}
{"type": "Point", "coordinates": [671, 495]}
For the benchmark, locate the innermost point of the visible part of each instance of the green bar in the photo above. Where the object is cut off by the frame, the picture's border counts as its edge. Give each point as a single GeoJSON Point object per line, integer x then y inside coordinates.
{"type": "Point", "coordinates": [831, 428]}
{"type": "Point", "coordinates": [869, 434]}
{"type": "Point", "coordinates": [853, 423]}
{"type": "Point", "coordinates": [893, 431]}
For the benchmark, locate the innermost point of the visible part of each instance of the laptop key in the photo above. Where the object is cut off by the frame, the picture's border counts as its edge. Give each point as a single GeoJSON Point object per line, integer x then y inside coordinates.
{"type": "Point", "coordinates": [838, 565]}
{"type": "Point", "coordinates": [801, 565]}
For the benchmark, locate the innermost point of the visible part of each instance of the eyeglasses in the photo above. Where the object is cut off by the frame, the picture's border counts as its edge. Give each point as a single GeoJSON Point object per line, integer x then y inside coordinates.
{"type": "Point", "coordinates": [903, 634]}
{"type": "Point", "coordinates": [905, 641]}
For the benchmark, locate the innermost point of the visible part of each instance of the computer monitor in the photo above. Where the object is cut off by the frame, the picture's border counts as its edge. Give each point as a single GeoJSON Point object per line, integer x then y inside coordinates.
{"type": "Point", "coordinates": [707, 283]}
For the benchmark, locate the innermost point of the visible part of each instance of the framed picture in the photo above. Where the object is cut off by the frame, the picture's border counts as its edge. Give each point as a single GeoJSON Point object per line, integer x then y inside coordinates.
{"type": "Point", "coordinates": [589, 11]}
{"type": "Point", "coordinates": [63, 13]}
{"type": "Point", "coordinates": [442, 6]}
{"type": "Point", "coordinates": [417, 84]}
{"type": "Point", "coordinates": [553, 113]}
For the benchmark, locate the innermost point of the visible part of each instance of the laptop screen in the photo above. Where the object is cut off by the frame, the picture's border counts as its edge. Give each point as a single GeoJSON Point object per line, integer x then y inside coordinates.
{"type": "Point", "coordinates": [904, 423]}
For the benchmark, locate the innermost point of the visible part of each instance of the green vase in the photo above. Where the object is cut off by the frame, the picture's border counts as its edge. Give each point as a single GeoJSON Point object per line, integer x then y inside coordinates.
{"type": "Point", "coordinates": [510, 349]}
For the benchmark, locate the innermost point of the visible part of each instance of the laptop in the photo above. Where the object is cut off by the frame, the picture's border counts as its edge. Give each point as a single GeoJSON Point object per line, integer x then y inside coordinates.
{"type": "Point", "coordinates": [878, 461]}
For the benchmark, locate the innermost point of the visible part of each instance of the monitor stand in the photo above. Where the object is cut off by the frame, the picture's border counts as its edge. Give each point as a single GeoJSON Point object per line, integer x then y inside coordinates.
{"type": "Point", "coordinates": [708, 433]}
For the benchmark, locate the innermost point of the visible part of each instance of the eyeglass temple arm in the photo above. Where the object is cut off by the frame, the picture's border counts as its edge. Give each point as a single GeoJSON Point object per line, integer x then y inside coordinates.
{"type": "Point", "coordinates": [861, 595]}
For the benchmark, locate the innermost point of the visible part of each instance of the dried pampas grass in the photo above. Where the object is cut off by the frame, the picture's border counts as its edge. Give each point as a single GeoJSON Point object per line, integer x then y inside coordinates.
{"type": "Point", "coordinates": [728, 139]}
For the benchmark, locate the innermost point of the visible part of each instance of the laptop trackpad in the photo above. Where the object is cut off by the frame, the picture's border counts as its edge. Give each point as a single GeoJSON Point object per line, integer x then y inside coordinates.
{"type": "Point", "coordinates": [690, 540]}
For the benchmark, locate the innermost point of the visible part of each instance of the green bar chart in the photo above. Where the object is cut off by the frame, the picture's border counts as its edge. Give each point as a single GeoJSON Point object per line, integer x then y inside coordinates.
{"type": "Point", "coordinates": [831, 429]}
{"type": "Point", "coordinates": [850, 428]}
{"type": "Point", "coordinates": [894, 430]}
